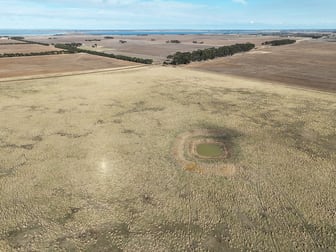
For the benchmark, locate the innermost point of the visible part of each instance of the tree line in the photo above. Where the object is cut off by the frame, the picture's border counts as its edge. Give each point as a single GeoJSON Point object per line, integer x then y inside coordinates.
{"type": "Point", "coordinates": [279, 42]}
{"type": "Point", "coordinates": [206, 54]}
{"type": "Point", "coordinates": [22, 39]}
{"type": "Point", "coordinates": [7, 55]}
{"type": "Point", "coordinates": [12, 43]}
{"type": "Point", "coordinates": [73, 48]}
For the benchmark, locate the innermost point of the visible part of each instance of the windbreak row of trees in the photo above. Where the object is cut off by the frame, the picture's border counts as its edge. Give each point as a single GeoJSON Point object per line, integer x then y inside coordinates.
{"type": "Point", "coordinates": [280, 42]}
{"type": "Point", "coordinates": [11, 43]}
{"type": "Point", "coordinates": [6, 55]}
{"type": "Point", "coordinates": [22, 39]}
{"type": "Point", "coordinates": [209, 53]}
{"type": "Point", "coordinates": [73, 48]}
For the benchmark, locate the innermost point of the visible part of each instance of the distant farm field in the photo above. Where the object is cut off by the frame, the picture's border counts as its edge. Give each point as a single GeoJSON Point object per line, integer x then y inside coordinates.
{"type": "Point", "coordinates": [51, 64]}
{"type": "Point", "coordinates": [25, 48]}
{"type": "Point", "coordinates": [106, 162]}
{"type": "Point", "coordinates": [154, 46]}
{"type": "Point", "coordinates": [308, 63]}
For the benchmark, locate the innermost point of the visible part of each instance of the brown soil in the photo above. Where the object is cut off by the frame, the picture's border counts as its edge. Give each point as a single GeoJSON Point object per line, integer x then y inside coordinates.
{"type": "Point", "coordinates": [308, 63]}
{"type": "Point", "coordinates": [37, 65]}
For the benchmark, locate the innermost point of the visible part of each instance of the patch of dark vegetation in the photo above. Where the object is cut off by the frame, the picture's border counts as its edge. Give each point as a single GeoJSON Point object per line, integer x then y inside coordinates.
{"type": "Point", "coordinates": [15, 146]}
{"type": "Point", "coordinates": [173, 41]}
{"type": "Point", "coordinates": [72, 135]}
{"type": "Point", "coordinates": [206, 54]}
{"type": "Point", "coordinates": [108, 37]}
{"type": "Point", "coordinates": [129, 131]}
{"type": "Point", "coordinates": [92, 40]}
{"type": "Point", "coordinates": [21, 237]}
{"type": "Point", "coordinates": [17, 38]}
{"type": "Point", "coordinates": [5, 172]}
{"type": "Point", "coordinates": [37, 138]}
{"type": "Point", "coordinates": [61, 111]}
{"type": "Point", "coordinates": [117, 121]}
{"type": "Point", "coordinates": [100, 121]}
{"type": "Point", "coordinates": [280, 42]}
{"type": "Point", "coordinates": [147, 199]}
{"type": "Point", "coordinates": [73, 48]}
{"type": "Point", "coordinates": [196, 42]}
{"type": "Point", "coordinates": [309, 141]}
{"type": "Point", "coordinates": [140, 108]}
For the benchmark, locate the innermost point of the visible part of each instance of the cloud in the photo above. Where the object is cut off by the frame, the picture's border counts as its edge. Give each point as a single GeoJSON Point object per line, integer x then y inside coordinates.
{"type": "Point", "coordinates": [240, 1]}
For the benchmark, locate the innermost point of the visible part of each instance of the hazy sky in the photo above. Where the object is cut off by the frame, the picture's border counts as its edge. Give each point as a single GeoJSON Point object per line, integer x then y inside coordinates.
{"type": "Point", "coordinates": [159, 14]}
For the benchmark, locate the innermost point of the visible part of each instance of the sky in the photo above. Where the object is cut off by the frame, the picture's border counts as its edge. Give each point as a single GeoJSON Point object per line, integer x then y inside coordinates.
{"type": "Point", "coordinates": [171, 14]}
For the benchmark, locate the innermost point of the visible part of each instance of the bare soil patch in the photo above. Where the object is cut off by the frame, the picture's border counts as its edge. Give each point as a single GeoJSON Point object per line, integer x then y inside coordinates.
{"type": "Point", "coordinates": [308, 63]}
{"type": "Point", "coordinates": [37, 65]}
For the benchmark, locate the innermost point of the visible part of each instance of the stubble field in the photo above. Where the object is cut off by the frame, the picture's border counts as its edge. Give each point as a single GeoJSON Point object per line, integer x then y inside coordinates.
{"type": "Point", "coordinates": [89, 163]}
{"type": "Point", "coordinates": [308, 63]}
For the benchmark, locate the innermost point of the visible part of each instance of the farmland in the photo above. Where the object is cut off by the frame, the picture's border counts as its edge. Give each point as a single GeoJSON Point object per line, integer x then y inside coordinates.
{"type": "Point", "coordinates": [308, 63]}
{"type": "Point", "coordinates": [100, 162]}
{"type": "Point", "coordinates": [25, 48]}
{"type": "Point", "coordinates": [56, 64]}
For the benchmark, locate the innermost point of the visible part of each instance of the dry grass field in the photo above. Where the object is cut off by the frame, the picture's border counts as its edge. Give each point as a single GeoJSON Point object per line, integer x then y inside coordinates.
{"type": "Point", "coordinates": [4, 40]}
{"type": "Point", "coordinates": [89, 163]}
{"type": "Point", "coordinates": [308, 63]}
{"type": "Point", "coordinates": [26, 48]}
{"type": "Point", "coordinates": [51, 64]}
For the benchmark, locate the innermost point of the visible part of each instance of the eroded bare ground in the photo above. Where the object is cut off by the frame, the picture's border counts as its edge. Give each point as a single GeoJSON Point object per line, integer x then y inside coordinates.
{"type": "Point", "coordinates": [86, 164]}
{"type": "Point", "coordinates": [308, 64]}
